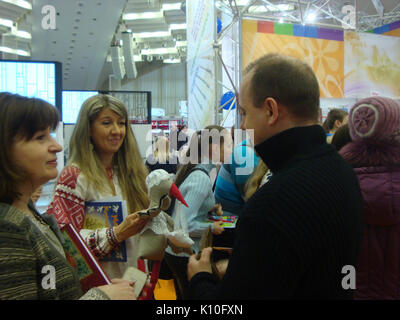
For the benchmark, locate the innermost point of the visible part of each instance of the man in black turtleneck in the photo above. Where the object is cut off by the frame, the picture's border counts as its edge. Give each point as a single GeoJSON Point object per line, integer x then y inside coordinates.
{"type": "Point", "coordinates": [303, 228]}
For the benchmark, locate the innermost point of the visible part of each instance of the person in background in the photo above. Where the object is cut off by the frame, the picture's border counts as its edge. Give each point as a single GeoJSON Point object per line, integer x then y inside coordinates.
{"type": "Point", "coordinates": [160, 159]}
{"type": "Point", "coordinates": [104, 161]}
{"type": "Point", "coordinates": [297, 232]}
{"type": "Point", "coordinates": [260, 176]}
{"type": "Point", "coordinates": [232, 177]}
{"type": "Point", "coordinates": [193, 181]}
{"type": "Point", "coordinates": [182, 137]}
{"type": "Point", "coordinates": [374, 153]}
{"type": "Point", "coordinates": [341, 137]}
{"type": "Point", "coordinates": [335, 119]}
{"type": "Point", "coordinates": [30, 241]}
{"type": "Point", "coordinates": [173, 140]}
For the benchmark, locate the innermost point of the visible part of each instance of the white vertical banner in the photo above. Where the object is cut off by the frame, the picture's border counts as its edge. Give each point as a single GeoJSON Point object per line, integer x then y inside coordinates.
{"type": "Point", "coordinates": [201, 25]}
{"type": "Point", "coordinates": [230, 57]}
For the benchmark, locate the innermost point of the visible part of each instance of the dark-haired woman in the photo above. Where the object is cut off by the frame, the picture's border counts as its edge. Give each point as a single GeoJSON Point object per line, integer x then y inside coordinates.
{"type": "Point", "coordinates": [335, 119]}
{"type": "Point", "coordinates": [30, 243]}
{"type": "Point", "coordinates": [206, 148]}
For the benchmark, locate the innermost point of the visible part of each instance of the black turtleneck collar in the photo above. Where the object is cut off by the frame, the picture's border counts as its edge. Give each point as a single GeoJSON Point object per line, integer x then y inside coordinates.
{"type": "Point", "coordinates": [280, 149]}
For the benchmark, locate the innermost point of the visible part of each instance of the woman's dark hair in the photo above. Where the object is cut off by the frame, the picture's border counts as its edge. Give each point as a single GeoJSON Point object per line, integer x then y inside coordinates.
{"type": "Point", "coordinates": [20, 118]}
{"type": "Point", "coordinates": [201, 137]}
{"type": "Point", "coordinates": [341, 137]}
{"type": "Point", "coordinates": [333, 115]}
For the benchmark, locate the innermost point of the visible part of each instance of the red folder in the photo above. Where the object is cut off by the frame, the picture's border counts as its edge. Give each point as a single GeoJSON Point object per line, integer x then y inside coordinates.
{"type": "Point", "coordinates": [89, 271]}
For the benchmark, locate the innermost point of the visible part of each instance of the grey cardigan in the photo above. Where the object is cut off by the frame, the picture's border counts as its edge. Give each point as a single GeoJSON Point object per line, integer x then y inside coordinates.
{"type": "Point", "coordinates": [25, 252]}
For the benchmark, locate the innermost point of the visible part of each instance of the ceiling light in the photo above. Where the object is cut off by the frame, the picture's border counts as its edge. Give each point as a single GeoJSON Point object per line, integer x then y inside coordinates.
{"type": "Point", "coordinates": [181, 43]}
{"type": "Point", "coordinates": [20, 34]}
{"type": "Point", "coordinates": [176, 60]}
{"type": "Point", "coordinates": [156, 51]}
{"type": "Point", "coordinates": [6, 23]}
{"type": "Point", "coordinates": [144, 15]}
{"type": "Point", "coordinates": [156, 34]}
{"type": "Point", "coordinates": [136, 58]}
{"type": "Point", "coordinates": [177, 26]}
{"type": "Point", "coordinates": [15, 51]}
{"type": "Point", "coordinates": [19, 3]}
{"type": "Point", "coordinates": [171, 6]}
{"type": "Point", "coordinates": [311, 16]}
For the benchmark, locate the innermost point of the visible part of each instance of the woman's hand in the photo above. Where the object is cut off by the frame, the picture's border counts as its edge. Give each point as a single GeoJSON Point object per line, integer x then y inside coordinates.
{"type": "Point", "coordinates": [131, 225]}
{"type": "Point", "coordinates": [119, 290]}
{"type": "Point", "coordinates": [217, 209]}
{"type": "Point", "coordinates": [217, 228]}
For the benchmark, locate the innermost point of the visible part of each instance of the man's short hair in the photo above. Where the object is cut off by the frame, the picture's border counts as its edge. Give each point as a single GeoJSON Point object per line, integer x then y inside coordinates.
{"type": "Point", "coordinates": [289, 81]}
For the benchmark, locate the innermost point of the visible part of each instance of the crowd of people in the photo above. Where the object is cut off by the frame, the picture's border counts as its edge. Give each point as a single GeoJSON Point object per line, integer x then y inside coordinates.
{"type": "Point", "coordinates": [310, 199]}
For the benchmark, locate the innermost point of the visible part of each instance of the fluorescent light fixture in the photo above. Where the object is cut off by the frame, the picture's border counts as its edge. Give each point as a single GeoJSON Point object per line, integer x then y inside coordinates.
{"type": "Point", "coordinates": [156, 51]}
{"type": "Point", "coordinates": [177, 60]}
{"type": "Point", "coordinates": [177, 26]}
{"type": "Point", "coordinates": [278, 7]}
{"type": "Point", "coordinates": [6, 23]}
{"type": "Point", "coordinates": [269, 8]}
{"type": "Point", "coordinates": [159, 34]}
{"type": "Point", "coordinates": [15, 51]}
{"type": "Point", "coordinates": [171, 6]}
{"type": "Point", "coordinates": [20, 3]}
{"type": "Point", "coordinates": [144, 15]}
{"type": "Point", "coordinates": [22, 34]}
{"type": "Point", "coordinates": [136, 57]}
{"type": "Point", "coordinates": [181, 44]}
{"type": "Point", "coordinates": [156, 34]}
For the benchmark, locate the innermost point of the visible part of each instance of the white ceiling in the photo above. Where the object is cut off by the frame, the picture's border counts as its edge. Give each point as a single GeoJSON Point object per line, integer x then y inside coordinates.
{"type": "Point", "coordinates": [85, 29]}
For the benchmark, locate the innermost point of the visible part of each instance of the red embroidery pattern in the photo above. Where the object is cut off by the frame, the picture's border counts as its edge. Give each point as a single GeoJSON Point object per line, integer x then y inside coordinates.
{"type": "Point", "coordinates": [65, 206]}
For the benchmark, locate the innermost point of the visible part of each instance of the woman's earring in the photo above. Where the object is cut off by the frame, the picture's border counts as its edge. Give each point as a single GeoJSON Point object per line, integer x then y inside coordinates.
{"type": "Point", "coordinates": [91, 147]}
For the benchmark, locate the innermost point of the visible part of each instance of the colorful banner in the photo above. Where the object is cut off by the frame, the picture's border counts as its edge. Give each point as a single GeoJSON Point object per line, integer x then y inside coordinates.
{"type": "Point", "coordinates": [391, 29]}
{"type": "Point", "coordinates": [200, 18]}
{"type": "Point", "coordinates": [347, 64]}
{"type": "Point", "coordinates": [321, 48]}
{"type": "Point", "coordinates": [372, 64]}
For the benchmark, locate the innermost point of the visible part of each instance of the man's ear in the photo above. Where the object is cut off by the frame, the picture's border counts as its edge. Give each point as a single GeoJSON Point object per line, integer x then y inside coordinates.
{"type": "Point", "coordinates": [272, 110]}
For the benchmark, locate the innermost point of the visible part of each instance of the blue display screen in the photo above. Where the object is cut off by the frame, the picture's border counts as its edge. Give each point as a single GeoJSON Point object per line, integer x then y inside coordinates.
{"type": "Point", "coordinates": [72, 102]}
{"type": "Point", "coordinates": [30, 79]}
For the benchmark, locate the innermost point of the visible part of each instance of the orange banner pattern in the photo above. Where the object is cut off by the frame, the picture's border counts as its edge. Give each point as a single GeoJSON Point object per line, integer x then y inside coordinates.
{"type": "Point", "coordinates": [326, 57]}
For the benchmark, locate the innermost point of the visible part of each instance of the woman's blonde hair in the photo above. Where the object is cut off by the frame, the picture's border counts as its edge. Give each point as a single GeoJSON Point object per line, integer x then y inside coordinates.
{"type": "Point", "coordinates": [255, 179]}
{"type": "Point", "coordinates": [127, 161]}
{"type": "Point", "coordinates": [161, 149]}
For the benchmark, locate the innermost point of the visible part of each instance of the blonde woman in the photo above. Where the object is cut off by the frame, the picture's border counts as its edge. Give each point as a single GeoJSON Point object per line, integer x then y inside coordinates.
{"type": "Point", "coordinates": [30, 241]}
{"type": "Point", "coordinates": [161, 158]}
{"type": "Point", "coordinates": [259, 177]}
{"type": "Point", "coordinates": [104, 161]}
